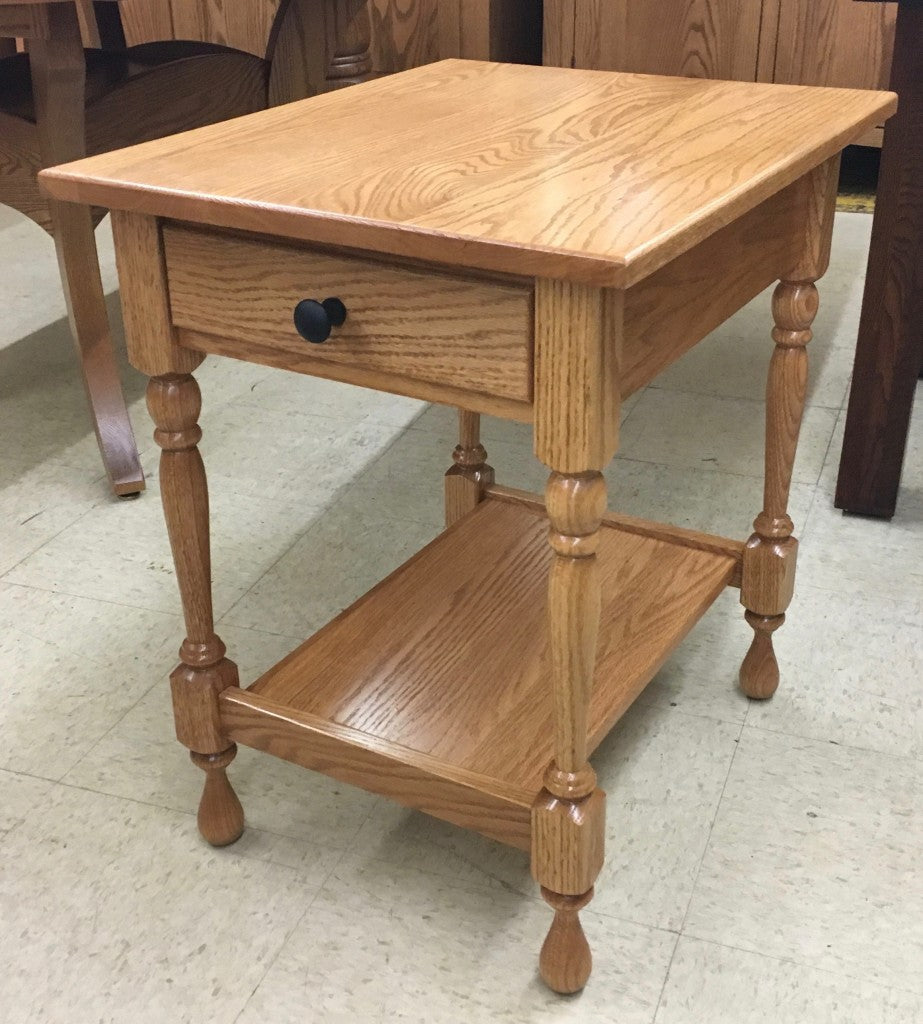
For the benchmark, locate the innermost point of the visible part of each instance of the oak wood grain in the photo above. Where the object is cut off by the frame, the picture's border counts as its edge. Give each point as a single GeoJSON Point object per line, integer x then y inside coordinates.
{"type": "Point", "coordinates": [578, 336]}
{"type": "Point", "coordinates": [721, 546]}
{"type": "Point", "coordinates": [835, 42]}
{"type": "Point", "coordinates": [468, 478]}
{"type": "Point", "coordinates": [415, 779]}
{"type": "Point", "coordinates": [467, 333]}
{"type": "Point", "coordinates": [697, 38]}
{"type": "Point", "coordinates": [651, 166]}
{"type": "Point", "coordinates": [149, 333]}
{"type": "Point", "coordinates": [423, 687]}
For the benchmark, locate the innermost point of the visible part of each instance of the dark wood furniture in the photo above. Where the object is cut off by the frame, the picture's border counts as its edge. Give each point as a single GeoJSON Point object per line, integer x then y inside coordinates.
{"type": "Point", "coordinates": [889, 350]}
{"type": "Point", "coordinates": [540, 263]}
{"type": "Point", "coordinates": [59, 102]}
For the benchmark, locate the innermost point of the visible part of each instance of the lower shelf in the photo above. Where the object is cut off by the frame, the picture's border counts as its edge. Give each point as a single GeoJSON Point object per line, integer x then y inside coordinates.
{"type": "Point", "coordinates": [434, 687]}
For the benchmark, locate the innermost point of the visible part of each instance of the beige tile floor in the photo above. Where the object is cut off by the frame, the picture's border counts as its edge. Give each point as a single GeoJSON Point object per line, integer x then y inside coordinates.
{"type": "Point", "coordinates": [765, 862]}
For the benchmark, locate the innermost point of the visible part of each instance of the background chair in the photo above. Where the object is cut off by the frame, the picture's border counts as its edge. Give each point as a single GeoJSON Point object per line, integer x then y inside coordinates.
{"type": "Point", "coordinates": [61, 101]}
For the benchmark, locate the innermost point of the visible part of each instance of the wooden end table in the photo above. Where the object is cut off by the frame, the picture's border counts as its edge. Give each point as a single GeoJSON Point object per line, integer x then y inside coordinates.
{"type": "Point", "coordinates": [535, 243]}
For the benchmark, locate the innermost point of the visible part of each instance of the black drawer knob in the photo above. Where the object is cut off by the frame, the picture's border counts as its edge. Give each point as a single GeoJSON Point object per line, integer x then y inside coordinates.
{"type": "Point", "coordinates": [314, 320]}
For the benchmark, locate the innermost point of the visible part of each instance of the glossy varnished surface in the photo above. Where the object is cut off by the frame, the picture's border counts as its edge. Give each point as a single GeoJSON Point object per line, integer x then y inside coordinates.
{"type": "Point", "coordinates": [586, 175]}
{"type": "Point", "coordinates": [448, 656]}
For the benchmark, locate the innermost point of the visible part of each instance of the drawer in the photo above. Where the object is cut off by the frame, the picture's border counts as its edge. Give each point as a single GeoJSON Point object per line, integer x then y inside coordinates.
{"type": "Point", "coordinates": [404, 326]}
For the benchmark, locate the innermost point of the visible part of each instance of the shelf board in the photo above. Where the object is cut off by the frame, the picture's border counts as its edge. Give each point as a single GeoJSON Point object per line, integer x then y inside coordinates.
{"type": "Point", "coordinates": [434, 688]}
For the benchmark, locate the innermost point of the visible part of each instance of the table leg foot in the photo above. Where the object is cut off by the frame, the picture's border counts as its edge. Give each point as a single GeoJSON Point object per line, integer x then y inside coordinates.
{"type": "Point", "coordinates": [221, 817]}
{"type": "Point", "coordinates": [566, 961]}
{"type": "Point", "coordinates": [759, 673]}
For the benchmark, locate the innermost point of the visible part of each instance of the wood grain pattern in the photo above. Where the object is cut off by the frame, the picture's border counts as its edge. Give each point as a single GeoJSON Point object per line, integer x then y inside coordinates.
{"type": "Point", "coordinates": [423, 687]}
{"type": "Point", "coordinates": [57, 70]}
{"type": "Point", "coordinates": [408, 170]}
{"type": "Point", "coordinates": [468, 478]}
{"type": "Point", "coordinates": [836, 43]}
{"type": "Point", "coordinates": [669, 312]}
{"type": "Point", "coordinates": [558, 33]}
{"type": "Point", "coordinates": [415, 779]}
{"type": "Point", "coordinates": [568, 818]}
{"type": "Point", "coordinates": [469, 334]}
{"type": "Point", "coordinates": [152, 346]}
{"type": "Point", "coordinates": [768, 571]}
{"type": "Point", "coordinates": [721, 546]}
{"type": "Point", "coordinates": [696, 38]}
{"type": "Point", "coordinates": [405, 34]}
{"type": "Point", "coordinates": [578, 335]}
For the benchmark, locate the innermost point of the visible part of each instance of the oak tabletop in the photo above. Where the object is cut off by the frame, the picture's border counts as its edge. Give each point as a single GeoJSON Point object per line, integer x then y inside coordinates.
{"type": "Point", "coordinates": [590, 176]}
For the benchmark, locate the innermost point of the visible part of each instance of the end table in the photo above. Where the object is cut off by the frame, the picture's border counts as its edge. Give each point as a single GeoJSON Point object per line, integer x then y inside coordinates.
{"type": "Point", "coordinates": [535, 243]}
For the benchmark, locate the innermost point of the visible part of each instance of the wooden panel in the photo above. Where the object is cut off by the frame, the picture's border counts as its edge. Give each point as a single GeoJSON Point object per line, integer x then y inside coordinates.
{"type": "Point", "coordinates": [470, 609]}
{"type": "Point", "coordinates": [558, 33]}
{"type": "Point", "coordinates": [23, 21]}
{"type": "Point", "coordinates": [647, 167]}
{"type": "Point", "coordinates": [673, 309]}
{"type": "Point", "coordinates": [464, 798]}
{"type": "Point", "coordinates": [243, 24]}
{"type": "Point", "coordinates": [405, 34]}
{"type": "Point", "coordinates": [697, 38]}
{"type": "Point", "coordinates": [835, 42]}
{"type": "Point", "coordinates": [146, 21]}
{"type": "Point", "coordinates": [470, 334]}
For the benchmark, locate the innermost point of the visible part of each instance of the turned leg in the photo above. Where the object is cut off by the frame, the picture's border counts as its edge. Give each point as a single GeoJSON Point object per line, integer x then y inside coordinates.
{"type": "Point", "coordinates": [466, 481]}
{"type": "Point", "coordinates": [568, 817]}
{"type": "Point", "coordinates": [768, 576]}
{"type": "Point", "coordinates": [174, 402]}
{"type": "Point", "coordinates": [57, 67]}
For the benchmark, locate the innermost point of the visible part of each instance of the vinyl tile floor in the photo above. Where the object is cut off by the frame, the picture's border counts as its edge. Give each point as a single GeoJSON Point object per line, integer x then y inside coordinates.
{"type": "Point", "coordinates": [764, 861]}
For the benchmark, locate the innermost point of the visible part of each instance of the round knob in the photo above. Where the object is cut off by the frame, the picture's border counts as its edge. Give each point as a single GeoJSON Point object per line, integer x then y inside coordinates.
{"type": "Point", "coordinates": [314, 320]}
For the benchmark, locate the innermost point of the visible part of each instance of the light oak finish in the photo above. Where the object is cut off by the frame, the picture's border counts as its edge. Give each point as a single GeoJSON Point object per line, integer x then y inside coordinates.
{"type": "Point", "coordinates": [721, 546]}
{"type": "Point", "coordinates": [409, 176]}
{"type": "Point", "coordinates": [421, 690]}
{"type": "Point", "coordinates": [475, 682]}
{"type": "Point", "coordinates": [174, 403]}
{"type": "Point", "coordinates": [468, 478]}
{"type": "Point", "coordinates": [768, 576]}
{"type": "Point", "coordinates": [406, 324]}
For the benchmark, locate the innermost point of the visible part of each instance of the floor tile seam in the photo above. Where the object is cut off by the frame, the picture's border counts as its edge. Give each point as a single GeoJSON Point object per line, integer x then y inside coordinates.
{"type": "Point", "coordinates": [86, 597]}
{"type": "Point", "coordinates": [869, 979]}
{"type": "Point", "coordinates": [823, 463]}
{"type": "Point", "coordinates": [48, 540]}
{"type": "Point", "coordinates": [695, 392]}
{"type": "Point", "coordinates": [903, 758]}
{"type": "Point", "coordinates": [154, 685]}
{"type": "Point", "coordinates": [285, 940]}
{"type": "Point", "coordinates": [711, 826]}
{"type": "Point", "coordinates": [666, 977]}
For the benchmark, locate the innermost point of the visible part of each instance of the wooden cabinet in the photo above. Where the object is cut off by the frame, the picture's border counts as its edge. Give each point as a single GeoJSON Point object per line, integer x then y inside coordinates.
{"type": "Point", "coordinates": [408, 33]}
{"type": "Point", "coordinates": [695, 38]}
{"type": "Point", "coordinates": [807, 42]}
{"type": "Point", "coordinates": [835, 42]}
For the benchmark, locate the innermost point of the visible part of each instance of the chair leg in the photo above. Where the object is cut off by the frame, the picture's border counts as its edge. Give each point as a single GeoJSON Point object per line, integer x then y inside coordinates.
{"type": "Point", "coordinates": [83, 288]}
{"type": "Point", "coordinates": [56, 62]}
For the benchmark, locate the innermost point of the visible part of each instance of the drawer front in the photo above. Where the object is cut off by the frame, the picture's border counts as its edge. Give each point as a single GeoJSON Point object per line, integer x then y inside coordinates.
{"type": "Point", "coordinates": [402, 324]}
